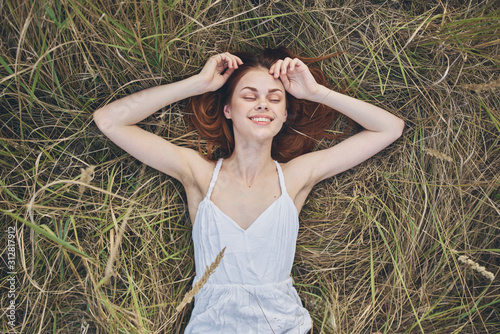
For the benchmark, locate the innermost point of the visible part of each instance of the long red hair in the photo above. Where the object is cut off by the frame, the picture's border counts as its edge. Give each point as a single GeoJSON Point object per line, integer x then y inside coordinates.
{"type": "Point", "coordinates": [306, 121]}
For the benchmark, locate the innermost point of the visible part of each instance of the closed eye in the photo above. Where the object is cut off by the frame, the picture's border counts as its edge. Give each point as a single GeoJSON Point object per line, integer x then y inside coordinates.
{"type": "Point", "coordinates": [274, 98]}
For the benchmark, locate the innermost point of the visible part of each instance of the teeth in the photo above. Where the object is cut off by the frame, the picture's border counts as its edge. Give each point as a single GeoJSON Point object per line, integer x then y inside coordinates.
{"type": "Point", "coordinates": [260, 119]}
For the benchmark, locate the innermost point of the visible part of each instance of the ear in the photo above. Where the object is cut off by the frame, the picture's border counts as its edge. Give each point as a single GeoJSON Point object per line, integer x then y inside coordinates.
{"type": "Point", "coordinates": [227, 112]}
{"type": "Point", "coordinates": [286, 114]}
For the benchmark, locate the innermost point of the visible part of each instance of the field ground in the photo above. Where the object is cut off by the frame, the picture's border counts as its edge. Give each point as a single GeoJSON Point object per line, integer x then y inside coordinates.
{"type": "Point", "coordinates": [407, 242]}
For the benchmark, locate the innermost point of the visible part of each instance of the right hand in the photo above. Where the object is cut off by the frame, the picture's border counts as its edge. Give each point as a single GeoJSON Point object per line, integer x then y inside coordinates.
{"type": "Point", "coordinates": [212, 73]}
{"type": "Point", "coordinates": [296, 78]}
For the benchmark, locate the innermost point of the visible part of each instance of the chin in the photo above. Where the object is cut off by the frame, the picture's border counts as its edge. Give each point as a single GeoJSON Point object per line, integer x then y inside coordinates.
{"type": "Point", "coordinates": [258, 136]}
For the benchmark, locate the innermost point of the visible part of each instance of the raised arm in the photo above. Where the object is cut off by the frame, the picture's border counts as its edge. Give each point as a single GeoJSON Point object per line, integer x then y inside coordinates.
{"type": "Point", "coordinates": [381, 128]}
{"type": "Point", "coordinates": [118, 119]}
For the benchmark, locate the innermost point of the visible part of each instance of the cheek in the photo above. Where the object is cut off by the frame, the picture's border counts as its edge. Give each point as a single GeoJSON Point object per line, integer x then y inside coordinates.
{"type": "Point", "coordinates": [283, 112]}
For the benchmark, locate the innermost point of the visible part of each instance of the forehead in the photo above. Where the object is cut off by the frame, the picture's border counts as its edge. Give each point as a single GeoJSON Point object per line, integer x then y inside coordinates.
{"type": "Point", "coordinates": [259, 78]}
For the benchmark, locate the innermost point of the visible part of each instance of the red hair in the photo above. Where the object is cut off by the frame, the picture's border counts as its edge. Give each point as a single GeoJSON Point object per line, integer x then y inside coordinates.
{"type": "Point", "coordinates": [306, 121]}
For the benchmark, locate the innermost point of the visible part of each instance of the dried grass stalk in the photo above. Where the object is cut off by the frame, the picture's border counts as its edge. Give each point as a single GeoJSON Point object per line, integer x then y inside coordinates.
{"type": "Point", "coordinates": [114, 246]}
{"type": "Point", "coordinates": [86, 177]}
{"type": "Point", "coordinates": [198, 285]}
{"type": "Point", "coordinates": [485, 86]}
{"type": "Point", "coordinates": [439, 155]}
{"type": "Point", "coordinates": [475, 266]}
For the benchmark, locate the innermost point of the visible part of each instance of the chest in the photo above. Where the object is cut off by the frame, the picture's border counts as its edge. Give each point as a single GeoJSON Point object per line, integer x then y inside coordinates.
{"type": "Point", "coordinates": [244, 204]}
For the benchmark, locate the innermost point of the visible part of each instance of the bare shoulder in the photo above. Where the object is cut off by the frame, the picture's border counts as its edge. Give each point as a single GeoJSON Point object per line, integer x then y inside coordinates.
{"type": "Point", "coordinates": [298, 179]}
{"type": "Point", "coordinates": [197, 179]}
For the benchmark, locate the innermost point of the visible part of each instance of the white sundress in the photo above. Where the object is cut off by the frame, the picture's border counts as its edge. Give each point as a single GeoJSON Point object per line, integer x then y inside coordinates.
{"type": "Point", "coordinates": [251, 290]}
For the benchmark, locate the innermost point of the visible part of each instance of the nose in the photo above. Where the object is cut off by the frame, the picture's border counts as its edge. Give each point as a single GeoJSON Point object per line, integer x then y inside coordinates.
{"type": "Point", "coordinates": [262, 105]}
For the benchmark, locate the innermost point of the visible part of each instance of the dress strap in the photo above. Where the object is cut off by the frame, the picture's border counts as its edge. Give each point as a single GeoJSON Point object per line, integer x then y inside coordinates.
{"type": "Point", "coordinates": [281, 177]}
{"type": "Point", "coordinates": [214, 177]}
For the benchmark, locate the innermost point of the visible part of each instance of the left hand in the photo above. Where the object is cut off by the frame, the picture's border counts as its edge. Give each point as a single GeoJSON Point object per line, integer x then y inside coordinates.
{"type": "Point", "coordinates": [217, 70]}
{"type": "Point", "coordinates": [296, 78]}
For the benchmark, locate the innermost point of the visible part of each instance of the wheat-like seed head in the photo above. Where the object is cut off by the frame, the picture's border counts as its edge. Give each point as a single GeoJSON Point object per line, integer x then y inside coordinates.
{"type": "Point", "coordinates": [86, 177]}
{"type": "Point", "coordinates": [198, 285]}
{"type": "Point", "coordinates": [475, 266]}
{"type": "Point", "coordinates": [439, 155]}
{"type": "Point", "coordinates": [485, 86]}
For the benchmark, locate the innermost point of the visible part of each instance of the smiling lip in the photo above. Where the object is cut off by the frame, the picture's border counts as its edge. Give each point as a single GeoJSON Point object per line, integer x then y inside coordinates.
{"type": "Point", "coordinates": [261, 119]}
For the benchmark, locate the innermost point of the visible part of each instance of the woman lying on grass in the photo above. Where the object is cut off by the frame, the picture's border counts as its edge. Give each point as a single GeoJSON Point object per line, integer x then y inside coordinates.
{"type": "Point", "coordinates": [256, 110]}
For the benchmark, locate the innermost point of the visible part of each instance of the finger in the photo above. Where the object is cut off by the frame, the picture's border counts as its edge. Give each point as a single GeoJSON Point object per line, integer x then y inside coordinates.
{"type": "Point", "coordinates": [228, 73]}
{"type": "Point", "coordinates": [235, 60]}
{"type": "Point", "coordinates": [214, 64]}
{"type": "Point", "coordinates": [223, 60]}
{"type": "Point", "coordinates": [277, 68]}
{"type": "Point", "coordinates": [271, 68]}
{"type": "Point", "coordinates": [213, 60]}
{"type": "Point", "coordinates": [285, 81]}
{"type": "Point", "coordinates": [228, 60]}
{"type": "Point", "coordinates": [285, 64]}
{"type": "Point", "coordinates": [293, 64]}
{"type": "Point", "coordinates": [232, 60]}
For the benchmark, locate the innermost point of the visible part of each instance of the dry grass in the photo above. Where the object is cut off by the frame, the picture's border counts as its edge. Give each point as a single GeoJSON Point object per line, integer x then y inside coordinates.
{"type": "Point", "coordinates": [103, 244]}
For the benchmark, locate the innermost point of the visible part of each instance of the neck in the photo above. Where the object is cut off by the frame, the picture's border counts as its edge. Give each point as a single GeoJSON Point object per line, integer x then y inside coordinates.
{"type": "Point", "coordinates": [250, 160]}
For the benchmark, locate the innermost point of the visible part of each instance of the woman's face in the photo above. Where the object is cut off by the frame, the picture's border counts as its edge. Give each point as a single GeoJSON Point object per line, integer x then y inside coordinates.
{"type": "Point", "coordinates": [258, 105]}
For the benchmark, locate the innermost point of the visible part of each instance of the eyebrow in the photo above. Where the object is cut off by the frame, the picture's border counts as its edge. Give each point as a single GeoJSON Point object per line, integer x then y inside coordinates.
{"type": "Point", "coordinates": [253, 89]}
